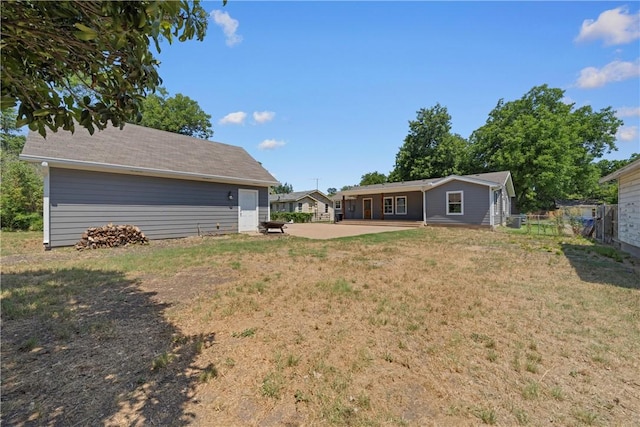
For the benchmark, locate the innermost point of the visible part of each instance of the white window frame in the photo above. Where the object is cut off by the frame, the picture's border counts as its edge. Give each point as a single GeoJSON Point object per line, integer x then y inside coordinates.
{"type": "Point", "coordinates": [337, 205]}
{"type": "Point", "coordinates": [405, 205]}
{"type": "Point", "coordinates": [384, 206]}
{"type": "Point", "coordinates": [461, 202]}
{"type": "Point", "coordinates": [496, 202]}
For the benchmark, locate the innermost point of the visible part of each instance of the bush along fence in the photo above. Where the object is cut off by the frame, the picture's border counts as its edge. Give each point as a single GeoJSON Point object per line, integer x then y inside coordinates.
{"type": "Point", "coordinates": [292, 216]}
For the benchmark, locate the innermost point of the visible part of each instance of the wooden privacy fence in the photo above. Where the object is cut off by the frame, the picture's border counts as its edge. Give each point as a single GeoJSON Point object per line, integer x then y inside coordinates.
{"type": "Point", "coordinates": [606, 223]}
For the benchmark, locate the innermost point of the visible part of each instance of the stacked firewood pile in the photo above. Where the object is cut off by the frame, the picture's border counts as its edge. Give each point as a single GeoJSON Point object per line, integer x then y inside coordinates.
{"type": "Point", "coordinates": [111, 235]}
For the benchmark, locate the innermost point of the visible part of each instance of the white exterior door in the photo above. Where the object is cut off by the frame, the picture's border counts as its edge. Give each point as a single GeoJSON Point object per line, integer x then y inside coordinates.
{"type": "Point", "coordinates": [247, 210]}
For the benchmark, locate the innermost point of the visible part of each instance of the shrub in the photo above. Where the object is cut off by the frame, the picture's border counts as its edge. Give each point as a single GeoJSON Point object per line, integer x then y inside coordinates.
{"type": "Point", "coordinates": [292, 216]}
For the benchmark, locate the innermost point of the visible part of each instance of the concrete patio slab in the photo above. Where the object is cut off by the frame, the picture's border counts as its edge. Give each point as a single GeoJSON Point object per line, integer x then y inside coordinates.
{"type": "Point", "coordinates": [314, 230]}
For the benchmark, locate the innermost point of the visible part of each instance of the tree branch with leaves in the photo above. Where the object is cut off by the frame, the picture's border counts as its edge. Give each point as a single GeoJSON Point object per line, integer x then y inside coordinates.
{"type": "Point", "coordinates": [69, 62]}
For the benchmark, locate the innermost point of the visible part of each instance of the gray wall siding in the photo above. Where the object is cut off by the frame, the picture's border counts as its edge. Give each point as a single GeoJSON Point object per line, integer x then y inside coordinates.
{"type": "Point", "coordinates": [161, 207]}
{"type": "Point", "coordinates": [476, 204]}
{"type": "Point", "coordinates": [414, 207]}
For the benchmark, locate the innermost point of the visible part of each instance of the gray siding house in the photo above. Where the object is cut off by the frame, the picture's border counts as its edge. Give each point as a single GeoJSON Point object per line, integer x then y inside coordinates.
{"type": "Point", "coordinates": [628, 206]}
{"type": "Point", "coordinates": [480, 200]}
{"type": "Point", "coordinates": [311, 201]}
{"type": "Point", "coordinates": [169, 185]}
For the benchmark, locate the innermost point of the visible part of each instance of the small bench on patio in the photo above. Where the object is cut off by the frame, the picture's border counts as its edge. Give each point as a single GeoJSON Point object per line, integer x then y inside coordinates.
{"type": "Point", "coordinates": [266, 225]}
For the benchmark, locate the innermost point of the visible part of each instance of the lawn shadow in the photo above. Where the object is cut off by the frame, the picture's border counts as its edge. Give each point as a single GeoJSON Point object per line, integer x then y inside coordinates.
{"type": "Point", "coordinates": [79, 347]}
{"type": "Point", "coordinates": [604, 265]}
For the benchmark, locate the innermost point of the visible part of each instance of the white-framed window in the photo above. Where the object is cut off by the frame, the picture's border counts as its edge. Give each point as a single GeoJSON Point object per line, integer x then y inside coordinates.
{"type": "Point", "coordinates": [401, 205]}
{"type": "Point", "coordinates": [337, 204]}
{"type": "Point", "coordinates": [496, 202]}
{"type": "Point", "coordinates": [388, 205]}
{"type": "Point", "coordinates": [299, 207]}
{"type": "Point", "coordinates": [455, 203]}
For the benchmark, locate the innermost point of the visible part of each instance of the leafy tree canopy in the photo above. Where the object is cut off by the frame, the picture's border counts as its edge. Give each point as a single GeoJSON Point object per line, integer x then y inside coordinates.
{"type": "Point", "coordinates": [548, 146]}
{"type": "Point", "coordinates": [48, 47]}
{"type": "Point", "coordinates": [282, 189]}
{"type": "Point", "coordinates": [21, 185]}
{"type": "Point", "coordinates": [12, 142]}
{"type": "Point", "coordinates": [430, 150]}
{"type": "Point", "coordinates": [373, 178]}
{"type": "Point", "coordinates": [179, 114]}
{"type": "Point", "coordinates": [331, 191]}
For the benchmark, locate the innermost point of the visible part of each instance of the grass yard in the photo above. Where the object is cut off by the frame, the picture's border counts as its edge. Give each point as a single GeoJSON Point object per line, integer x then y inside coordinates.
{"type": "Point", "coordinates": [430, 326]}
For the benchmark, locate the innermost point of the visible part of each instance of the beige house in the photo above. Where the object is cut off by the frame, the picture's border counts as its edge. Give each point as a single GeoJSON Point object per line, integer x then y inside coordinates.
{"type": "Point", "coordinates": [628, 206]}
{"type": "Point", "coordinates": [312, 201]}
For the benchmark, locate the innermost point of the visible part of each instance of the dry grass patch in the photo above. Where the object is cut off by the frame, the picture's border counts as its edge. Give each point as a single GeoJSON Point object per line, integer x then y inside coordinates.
{"type": "Point", "coordinates": [419, 327]}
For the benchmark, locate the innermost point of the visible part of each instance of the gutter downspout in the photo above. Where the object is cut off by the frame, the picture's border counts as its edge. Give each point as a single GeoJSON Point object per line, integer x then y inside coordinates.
{"type": "Point", "coordinates": [46, 217]}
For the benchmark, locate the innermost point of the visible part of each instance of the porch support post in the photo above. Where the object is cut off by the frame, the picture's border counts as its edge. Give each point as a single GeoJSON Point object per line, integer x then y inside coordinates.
{"type": "Point", "coordinates": [344, 207]}
{"type": "Point", "coordinates": [424, 207]}
{"type": "Point", "coordinates": [491, 219]}
{"type": "Point", "coordinates": [382, 205]}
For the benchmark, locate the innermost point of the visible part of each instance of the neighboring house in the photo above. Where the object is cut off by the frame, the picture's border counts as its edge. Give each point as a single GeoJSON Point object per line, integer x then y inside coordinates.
{"type": "Point", "coordinates": [312, 201]}
{"type": "Point", "coordinates": [481, 200]}
{"type": "Point", "coordinates": [167, 184]}
{"type": "Point", "coordinates": [577, 208]}
{"type": "Point", "coordinates": [628, 206]}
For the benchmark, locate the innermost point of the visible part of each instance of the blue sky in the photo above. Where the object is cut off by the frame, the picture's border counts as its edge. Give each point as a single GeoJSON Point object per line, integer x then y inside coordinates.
{"type": "Point", "coordinates": [322, 92]}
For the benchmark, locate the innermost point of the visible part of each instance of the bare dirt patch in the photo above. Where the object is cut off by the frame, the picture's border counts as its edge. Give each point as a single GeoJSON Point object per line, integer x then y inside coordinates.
{"type": "Point", "coordinates": [421, 327]}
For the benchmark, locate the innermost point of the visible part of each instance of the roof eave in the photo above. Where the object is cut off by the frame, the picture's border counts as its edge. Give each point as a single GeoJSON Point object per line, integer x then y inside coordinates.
{"type": "Point", "coordinates": [135, 170]}
{"type": "Point", "coordinates": [616, 174]}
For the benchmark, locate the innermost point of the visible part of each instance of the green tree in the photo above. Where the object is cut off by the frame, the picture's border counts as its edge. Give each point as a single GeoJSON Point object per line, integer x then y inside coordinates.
{"type": "Point", "coordinates": [331, 191]}
{"type": "Point", "coordinates": [430, 150]}
{"type": "Point", "coordinates": [608, 191]}
{"type": "Point", "coordinates": [21, 196]}
{"type": "Point", "coordinates": [54, 53]}
{"type": "Point", "coordinates": [20, 184]}
{"type": "Point", "coordinates": [178, 114]}
{"type": "Point", "coordinates": [373, 178]}
{"type": "Point", "coordinates": [282, 189]}
{"type": "Point", "coordinates": [547, 145]}
{"type": "Point", "coordinates": [11, 141]}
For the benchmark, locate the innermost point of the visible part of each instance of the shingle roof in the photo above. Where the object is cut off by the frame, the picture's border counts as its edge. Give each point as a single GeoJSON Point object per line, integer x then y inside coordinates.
{"type": "Point", "coordinates": [143, 149]}
{"type": "Point", "coordinates": [501, 178]}
{"type": "Point", "coordinates": [293, 196]}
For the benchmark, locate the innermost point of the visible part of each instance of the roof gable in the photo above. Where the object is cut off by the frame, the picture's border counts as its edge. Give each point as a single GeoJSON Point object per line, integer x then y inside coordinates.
{"type": "Point", "coordinates": [147, 151]}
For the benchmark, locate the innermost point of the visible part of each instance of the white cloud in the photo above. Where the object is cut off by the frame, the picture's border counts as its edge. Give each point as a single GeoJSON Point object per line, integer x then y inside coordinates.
{"type": "Point", "coordinates": [271, 144]}
{"type": "Point", "coordinates": [627, 134]}
{"type": "Point", "coordinates": [263, 116]}
{"type": "Point", "coordinates": [236, 118]}
{"type": "Point", "coordinates": [615, 71]}
{"type": "Point", "coordinates": [628, 112]}
{"type": "Point", "coordinates": [229, 26]}
{"type": "Point", "coordinates": [615, 26]}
